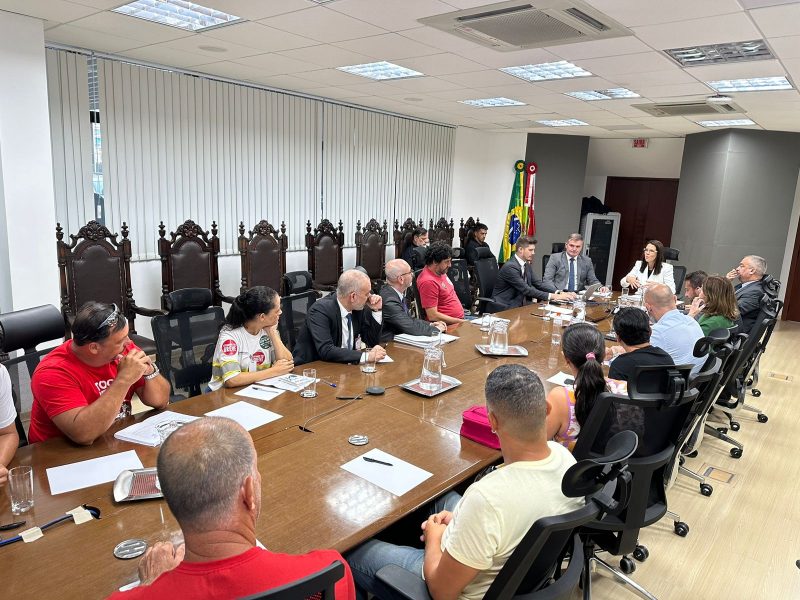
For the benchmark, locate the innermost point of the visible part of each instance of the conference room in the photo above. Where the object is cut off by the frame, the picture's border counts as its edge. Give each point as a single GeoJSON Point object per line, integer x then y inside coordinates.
{"type": "Point", "coordinates": [259, 144]}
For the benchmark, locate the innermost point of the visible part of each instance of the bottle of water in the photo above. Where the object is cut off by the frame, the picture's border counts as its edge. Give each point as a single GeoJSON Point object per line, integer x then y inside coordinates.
{"type": "Point", "coordinates": [555, 337]}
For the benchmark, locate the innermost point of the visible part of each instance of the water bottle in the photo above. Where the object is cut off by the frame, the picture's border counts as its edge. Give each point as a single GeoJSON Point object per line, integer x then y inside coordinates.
{"type": "Point", "coordinates": [579, 311]}
{"type": "Point", "coordinates": [430, 379]}
{"type": "Point", "coordinates": [555, 337]}
{"type": "Point", "coordinates": [498, 338]}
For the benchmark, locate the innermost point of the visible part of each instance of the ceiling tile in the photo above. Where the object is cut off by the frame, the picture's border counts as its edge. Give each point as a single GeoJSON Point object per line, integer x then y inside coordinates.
{"type": "Point", "coordinates": [213, 48]}
{"type": "Point", "coordinates": [131, 27]}
{"type": "Point", "coordinates": [160, 55]}
{"type": "Point", "coordinates": [389, 46]}
{"type": "Point", "coordinates": [634, 81]}
{"type": "Point", "coordinates": [483, 78]}
{"type": "Point", "coordinates": [52, 10]}
{"type": "Point", "coordinates": [629, 63]}
{"type": "Point", "coordinates": [631, 14]}
{"type": "Point", "coordinates": [326, 55]}
{"type": "Point", "coordinates": [332, 77]}
{"type": "Point", "coordinates": [445, 63]}
{"type": "Point", "coordinates": [276, 64]}
{"type": "Point", "coordinates": [714, 30]}
{"type": "Point", "coordinates": [786, 47]}
{"type": "Point", "coordinates": [84, 38]}
{"type": "Point", "coordinates": [576, 84]}
{"type": "Point", "coordinates": [439, 39]}
{"type": "Point", "coordinates": [231, 70]}
{"type": "Point", "coordinates": [756, 68]}
{"type": "Point", "coordinates": [290, 82]}
{"type": "Point", "coordinates": [423, 84]}
{"type": "Point", "coordinates": [777, 21]}
{"type": "Point", "coordinates": [391, 14]}
{"type": "Point", "coordinates": [256, 35]}
{"type": "Point", "coordinates": [248, 9]}
{"type": "Point", "coordinates": [601, 48]}
{"type": "Point", "coordinates": [98, 4]}
{"type": "Point", "coordinates": [494, 59]}
{"type": "Point", "coordinates": [674, 91]}
{"type": "Point", "coordinates": [320, 23]}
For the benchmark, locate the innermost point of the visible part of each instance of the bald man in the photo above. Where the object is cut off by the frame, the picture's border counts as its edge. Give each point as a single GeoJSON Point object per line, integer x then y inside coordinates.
{"type": "Point", "coordinates": [219, 557]}
{"type": "Point", "coordinates": [344, 326]}
{"type": "Point", "coordinates": [396, 318]}
{"type": "Point", "coordinates": [750, 273]}
{"type": "Point", "coordinates": [674, 332]}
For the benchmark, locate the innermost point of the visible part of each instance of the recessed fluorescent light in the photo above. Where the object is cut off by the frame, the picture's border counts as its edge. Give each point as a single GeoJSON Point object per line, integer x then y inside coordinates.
{"type": "Point", "coordinates": [380, 70]}
{"type": "Point", "coordinates": [720, 53]}
{"type": "Point", "coordinates": [562, 122]}
{"type": "Point", "coordinates": [611, 94]}
{"type": "Point", "coordinates": [486, 102]}
{"type": "Point", "coordinates": [177, 13]}
{"type": "Point", "coordinates": [544, 71]}
{"type": "Point", "coordinates": [756, 84]}
{"type": "Point", "coordinates": [718, 99]}
{"type": "Point", "coordinates": [726, 123]}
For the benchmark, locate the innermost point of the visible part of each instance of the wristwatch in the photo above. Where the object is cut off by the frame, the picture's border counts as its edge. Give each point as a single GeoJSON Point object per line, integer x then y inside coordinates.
{"type": "Point", "coordinates": [154, 374]}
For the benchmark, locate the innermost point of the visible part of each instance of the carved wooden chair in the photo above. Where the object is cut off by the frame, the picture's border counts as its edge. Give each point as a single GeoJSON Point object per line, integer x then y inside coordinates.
{"type": "Point", "coordinates": [465, 229]}
{"type": "Point", "coordinates": [189, 260]}
{"type": "Point", "coordinates": [325, 254]}
{"type": "Point", "coordinates": [442, 231]}
{"type": "Point", "coordinates": [403, 235]}
{"type": "Point", "coordinates": [263, 253]}
{"type": "Point", "coordinates": [371, 248]}
{"type": "Point", "coordinates": [95, 266]}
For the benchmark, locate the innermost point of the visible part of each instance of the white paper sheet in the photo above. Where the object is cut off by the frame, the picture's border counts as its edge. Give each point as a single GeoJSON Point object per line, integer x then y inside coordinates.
{"type": "Point", "coordinates": [290, 382]}
{"type": "Point", "coordinates": [386, 359]}
{"type": "Point", "coordinates": [488, 319]}
{"type": "Point", "coordinates": [245, 414]}
{"type": "Point", "coordinates": [259, 392]}
{"type": "Point", "coordinates": [561, 378]}
{"type": "Point", "coordinates": [422, 341]}
{"type": "Point", "coordinates": [551, 308]}
{"type": "Point", "coordinates": [145, 432]}
{"type": "Point", "coordinates": [397, 479]}
{"type": "Point", "coordinates": [87, 473]}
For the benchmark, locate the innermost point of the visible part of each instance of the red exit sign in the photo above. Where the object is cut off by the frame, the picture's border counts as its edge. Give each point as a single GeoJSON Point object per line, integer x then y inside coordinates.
{"type": "Point", "coordinates": [640, 143]}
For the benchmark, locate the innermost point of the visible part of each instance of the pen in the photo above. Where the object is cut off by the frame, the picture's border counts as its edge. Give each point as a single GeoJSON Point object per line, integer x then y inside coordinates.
{"type": "Point", "coordinates": [330, 383]}
{"type": "Point", "coordinates": [9, 526]}
{"type": "Point", "coordinates": [376, 461]}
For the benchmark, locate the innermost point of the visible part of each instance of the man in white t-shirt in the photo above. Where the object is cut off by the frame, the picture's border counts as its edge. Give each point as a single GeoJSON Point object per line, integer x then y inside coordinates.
{"type": "Point", "coordinates": [9, 440]}
{"type": "Point", "coordinates": [466, 548]}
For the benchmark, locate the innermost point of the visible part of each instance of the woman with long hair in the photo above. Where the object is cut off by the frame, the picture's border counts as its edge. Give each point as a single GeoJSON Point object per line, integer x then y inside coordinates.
{"type": "Point", "coordinates": [249, 348]}
{"type": "Point", "coordinates": [652, 268]}
{"type": "Point", "coordinates": [715, 307]}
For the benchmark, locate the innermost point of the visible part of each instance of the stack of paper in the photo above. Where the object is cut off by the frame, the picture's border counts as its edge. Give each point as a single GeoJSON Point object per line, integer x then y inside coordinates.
{"type": "Point", "coordinates": [487, 320]}
{"type": "Point", "coordinates": [423, 341]}
{"type": "Point", "coordinates": [145, 432]}
{"type": "Point", "coordinates": [557, 309]}
{"type": "Point", "coordinates": [290, 382]}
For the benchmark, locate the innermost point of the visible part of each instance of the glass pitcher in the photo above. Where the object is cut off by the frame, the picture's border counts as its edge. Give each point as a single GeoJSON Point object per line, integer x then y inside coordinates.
{"type": "Point", "coordinates": [498, 338]}
{"type": "Point", "coordinates": [430, 379]}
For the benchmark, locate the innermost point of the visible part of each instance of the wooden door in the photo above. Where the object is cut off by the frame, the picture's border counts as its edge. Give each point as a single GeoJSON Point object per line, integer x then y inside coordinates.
{"type": "Point", "coordinates": [791, 308]}
{"type": "Point", "coordinates": [647, 207]}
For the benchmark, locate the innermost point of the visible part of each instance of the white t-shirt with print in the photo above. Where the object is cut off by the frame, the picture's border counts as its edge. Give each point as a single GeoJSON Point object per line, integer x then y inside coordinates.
{"type": "Point", "coordinates": [239, 351]}
{"type": "Point", "coordinates": [7, 411]}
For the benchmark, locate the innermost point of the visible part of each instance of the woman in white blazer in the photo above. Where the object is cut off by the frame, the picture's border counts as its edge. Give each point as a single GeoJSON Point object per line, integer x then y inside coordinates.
{"type": "Point", "coordinates": [651, 269]}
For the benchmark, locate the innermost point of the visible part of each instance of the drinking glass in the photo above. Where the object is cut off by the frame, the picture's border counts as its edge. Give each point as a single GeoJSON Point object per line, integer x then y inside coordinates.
{"type": "Point", "coordinates": [368, 366]}
{"type": "Point", "coordinates": [498, 338]}
{"type": "Point", "coordinates": [310, 391]}
{"type": "Point", "coordinates": [20, 487]}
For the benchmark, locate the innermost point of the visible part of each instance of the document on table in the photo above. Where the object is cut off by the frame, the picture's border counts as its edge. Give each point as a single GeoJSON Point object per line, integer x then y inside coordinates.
{"type": "Point", "coordinates": [422, 341]}
{"type": "Point", "coordinates": [290, 382]}
{"type": "Point", "coordinates": [145, 432]}
{"type": "Point", "coordinates": [488, 320]}
{"type": "Point", "coordinates": [562, 378]}
{"type": "Point", "coordinates": [245, 414]}
{"type": "Point", "coordinates": [551, 308]}
{"type": "Point", "coordinates": [386, 359]}
{"type": "Point", "coordinates": [396, 479]}
{"type": "Point", "coordinates": [86, 473]}
{"type": "Point", "coordinates": [259, 392]}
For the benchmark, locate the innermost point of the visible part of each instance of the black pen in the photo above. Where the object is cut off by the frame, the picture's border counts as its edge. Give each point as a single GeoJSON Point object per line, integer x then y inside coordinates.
{"type": "Point", "coordinates": [376, 461]}
{"type": "Point", "coordinates": [9, 526]}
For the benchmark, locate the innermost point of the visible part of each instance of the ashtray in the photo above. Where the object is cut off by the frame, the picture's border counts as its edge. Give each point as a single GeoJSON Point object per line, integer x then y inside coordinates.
{"type": "Point", "coordinates": [512, 351]}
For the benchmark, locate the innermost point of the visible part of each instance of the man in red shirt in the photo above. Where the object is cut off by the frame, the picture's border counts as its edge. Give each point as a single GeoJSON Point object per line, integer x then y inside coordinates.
{"type": "Point", "coordinates": [219, 558]}
{"type": "Point", "coordinates": [436, 291]}
{"type": "Point", "coordinates": [81, 387]}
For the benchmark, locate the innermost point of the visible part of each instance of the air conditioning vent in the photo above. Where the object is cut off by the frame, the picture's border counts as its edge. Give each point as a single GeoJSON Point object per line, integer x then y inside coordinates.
{"type": "Point", "coordinates": [515, 25]}
{"type": "Point", "coordinates": [682, 109]}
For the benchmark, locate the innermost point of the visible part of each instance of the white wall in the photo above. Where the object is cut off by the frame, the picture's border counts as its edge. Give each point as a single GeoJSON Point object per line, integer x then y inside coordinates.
{"type": "Point", "coordinates": [618, 158]}
{"type": "Point", "coordinates": [29, 276]}
{"type": "Point", "coordinates": [483, 175]}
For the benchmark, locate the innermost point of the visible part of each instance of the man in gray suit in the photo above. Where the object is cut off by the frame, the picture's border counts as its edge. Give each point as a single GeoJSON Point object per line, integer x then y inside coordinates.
{"type": "Point", "coordinates": [750, 272]}
{"type": "Point", "coordinates": [570, 270]}
{"type": "Point", "coordinates": [517, 284]}
{"type": "Point", "coordinates": [395, 309]}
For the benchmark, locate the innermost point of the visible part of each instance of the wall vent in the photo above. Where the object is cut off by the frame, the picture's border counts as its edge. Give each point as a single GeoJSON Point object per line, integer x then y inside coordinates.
{"type": "Point", "coordinates": [682, 109]}
{"type": "Point", "coordinates": [516, 25]}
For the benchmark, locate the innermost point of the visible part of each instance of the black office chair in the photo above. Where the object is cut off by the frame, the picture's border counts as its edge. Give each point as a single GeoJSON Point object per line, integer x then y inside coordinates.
{"type": "Point", "coordinates": [418, 257]}
{"type": "Point", "coordinates": [24, 330]}
{"type": "Point", "coordinates": [545, 260]}
{"type": "Point", "coordinates": [657, 406]}
{"type": "Point", "coordinates": [294, 311]}
{"type": "Point", "coordinates": [533, 571]}
{"type": "Point", "coordinates": [771, 288]}
{"type": "Point", "coordinates": [320, 586]}
{"type": "Point", "coordinates": [486, 270]}
{"type": "Point", "coordinates": [679, 274]}
{"type": "Point", "coordinates": [557, 247]}
{"type": "Point", "coordinates": [185, 339]}
{"type": "Point", "coordinates": [459, 275]}
{"type": "Point", "coordinates": [297, 282]}
{"type": "Point", "coordinates": [671, 254]}
{"type": "Point", "coordinates": [415, 293]}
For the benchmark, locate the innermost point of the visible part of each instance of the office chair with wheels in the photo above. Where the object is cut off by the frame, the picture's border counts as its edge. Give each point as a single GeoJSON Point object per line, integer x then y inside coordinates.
{"type": "Point", "coordinates": [533, 571]}
{"type": "Point", "coordinates": [186, 337]}
{"type": "Point", "coordinates": [297, 282]}
{"type": "Point", "coordinates": [486, 270]}
{"type": "Point", "coordinates": [24, 330]}
{"type": "Point", "coordinates": [679, 274]}
{"type": "Point", "coordinates": [459, 275]}
{"type": "Point", "coordinates": [319, 586]}
{"type": "Point", "coordinates": [294, 310]}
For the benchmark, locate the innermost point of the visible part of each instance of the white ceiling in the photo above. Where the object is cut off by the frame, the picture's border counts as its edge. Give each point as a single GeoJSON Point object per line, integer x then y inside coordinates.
{"type": "Point", "coordinates": [296, 45]}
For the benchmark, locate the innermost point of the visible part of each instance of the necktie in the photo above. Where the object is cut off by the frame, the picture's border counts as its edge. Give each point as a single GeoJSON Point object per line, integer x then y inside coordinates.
{"type": "Point", "coordinates": [404, 304]}
{"type": "Point", "coordinates": [571, 282]}
{"type": "Point", "coordinates": [525, 273]}
{"type": "Point", "coordinates": [349, 331]}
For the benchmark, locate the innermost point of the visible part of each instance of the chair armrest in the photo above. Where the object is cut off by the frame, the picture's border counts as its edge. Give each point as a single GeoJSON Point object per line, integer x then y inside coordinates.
{"type": "Point", "coordinates": [404, 582]}
{"type": "Point", "coordinates": [146, 312]}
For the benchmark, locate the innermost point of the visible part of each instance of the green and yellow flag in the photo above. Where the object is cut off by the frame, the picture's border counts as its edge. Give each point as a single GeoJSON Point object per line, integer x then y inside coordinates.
{"type": "Point", "coordinates": [517, 217]}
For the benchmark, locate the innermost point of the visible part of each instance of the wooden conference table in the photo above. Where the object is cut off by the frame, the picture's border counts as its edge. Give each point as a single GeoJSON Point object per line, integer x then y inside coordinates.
{"type": "Point", "coordinates": [308, 501]}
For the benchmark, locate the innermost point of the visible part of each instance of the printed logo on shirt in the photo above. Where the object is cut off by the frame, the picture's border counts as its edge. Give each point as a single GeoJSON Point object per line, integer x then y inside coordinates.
{"type": "Point", "coordinates": [103, 385]}
{"type": "Point", "coordinates": [259, 357]}
{"type": "Point", "coordinates": [229, 348]}
{"type": "Point", "coordinates": [265, 342]}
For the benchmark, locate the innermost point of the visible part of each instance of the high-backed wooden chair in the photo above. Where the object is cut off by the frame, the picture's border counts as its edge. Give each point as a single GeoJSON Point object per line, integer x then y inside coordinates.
{"type": "Point", "coordinates": [403, 235]}
{"type": "Point", "coordinates": [325, 254]}
{"type": "Point", "coordinates": [94, 266]}
{"type": "Point", "coordinates": [465, 229]}
{"type": "Point", "coordinates": [371, 248]}
{"type": "Point", "coordinates": [263, 253]}
{"type": "Point", "coordinates": [442, 231]}
{"type": "Point", "coordinates": [189, 260]}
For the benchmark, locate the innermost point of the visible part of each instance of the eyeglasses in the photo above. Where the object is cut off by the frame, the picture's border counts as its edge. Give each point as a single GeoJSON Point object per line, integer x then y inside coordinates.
{"type": "Point", "coordinates": [111, 319]}
{"type": "Point", "coordinates": [406, 273]}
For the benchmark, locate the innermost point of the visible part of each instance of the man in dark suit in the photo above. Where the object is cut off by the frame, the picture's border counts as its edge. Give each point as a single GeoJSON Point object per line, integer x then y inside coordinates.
{"type": "Point", "coordinates": [418, 240]}
{"type": "Point", "coordinates": [517, 284]}
{"type": "Point", "coordinates": [339, 325]}
{"type": "Point", "coordinates": [570, 270]}
{"type": "Point", "coordinates": [477, 239]}
{"type": "Point", "coordinates": [750, 272]}
{"type": "Point", "coordinates": [395, 309]}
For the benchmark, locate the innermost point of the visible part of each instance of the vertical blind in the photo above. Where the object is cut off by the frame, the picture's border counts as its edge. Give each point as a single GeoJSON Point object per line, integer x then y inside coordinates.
{"type": "Point", "coordinates": [71, 138]}
{"type": "Point", "coordinates": [178, 146]}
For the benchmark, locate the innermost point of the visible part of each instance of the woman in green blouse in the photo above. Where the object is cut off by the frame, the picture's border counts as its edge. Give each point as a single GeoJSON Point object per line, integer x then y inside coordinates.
{"type": "Point", "coordinates": [716, 305]}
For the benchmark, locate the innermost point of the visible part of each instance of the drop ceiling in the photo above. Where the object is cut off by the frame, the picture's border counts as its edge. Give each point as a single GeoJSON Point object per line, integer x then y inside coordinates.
{"type": "Point", "coordinates": [296, 45]}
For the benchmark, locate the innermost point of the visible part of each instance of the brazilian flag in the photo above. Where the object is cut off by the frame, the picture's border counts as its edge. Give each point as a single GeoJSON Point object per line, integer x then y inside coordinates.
{"type": "Point", "coordinates": [517, 217]}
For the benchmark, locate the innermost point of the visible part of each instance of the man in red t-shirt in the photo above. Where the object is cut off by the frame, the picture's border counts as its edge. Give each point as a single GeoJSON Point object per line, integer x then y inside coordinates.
{"type": "Point", "coordinates": [81, 387]}
{"type": "Point", "coordinates": [436, 291]}
{"type": "Point", "coordinates": [219, 558]}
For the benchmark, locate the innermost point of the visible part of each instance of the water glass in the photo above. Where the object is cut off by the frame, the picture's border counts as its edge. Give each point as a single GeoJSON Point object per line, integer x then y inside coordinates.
{"type": "Point", "coordinates": [430, 379]}
{"type": "Point", "coordinates": [486, 322]}
{"type": "Point", "coordinates": [167, 428]}
{"type": "Point", "coordinates": [20, 487]}
{"type": "Point", "coordinates": [578, 311]}
{"type": "Point", "coordinates": [498, 338]}
{"type": "Point", "coordinates": [555, 336]}
{"type": "Point", "coordinates": [368, 364]}
{"type": "Point", "coordinates": [310, 391]}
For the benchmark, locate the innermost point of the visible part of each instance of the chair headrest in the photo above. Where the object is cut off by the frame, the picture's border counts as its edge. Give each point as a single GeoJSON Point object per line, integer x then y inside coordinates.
{"type": "Point", "coordinates": [671, 253]}
{"type": "Point", "coordinates": [484, 252]}
{"type": "Point", "coordinates": [189, 299]}
{"type": "Point", "coordinates": [458, 253]}
{"type": "Point", "coordinates": [25, 329]}
{"type": "Point", "coordinates": [591, 474]}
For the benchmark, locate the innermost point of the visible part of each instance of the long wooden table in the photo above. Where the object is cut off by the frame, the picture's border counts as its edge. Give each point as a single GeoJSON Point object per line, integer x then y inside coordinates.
{"type": "Point", "coordinates": [308, 501]}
